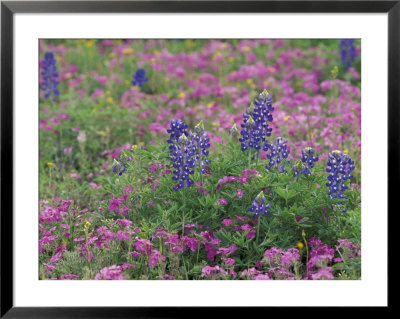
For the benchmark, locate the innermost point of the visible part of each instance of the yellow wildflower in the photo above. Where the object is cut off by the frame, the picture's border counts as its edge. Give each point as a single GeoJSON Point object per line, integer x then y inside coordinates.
{"type": "Point", "coordinates": [345, 151]}
{"type": "Point", "coordinates": [181, 95]}
{"type": "Point", "coordinates": [216, 55]}
{"type": "Point", "coordinates": [286, 118]}
{"type": "Point", "coordinates": [127, 51]}
{"type": "Point", "coordinates": [110, 100]}
{"type": "Point", "coordinates": [141, 143]}
{"type": "Point", "coordinates": [90, 43]}
{"type": "Point", "coordinates": [189, 43]}
{"type": "Point", "coordinates": [300, 245]}
{"type": "Point", "coordinates": [50, 164]}
{"type": "Point", "coordinates": [334, 72]}
{"type": "Point", "coordinates": [210, 104]}
{"type": "Point", "coordinates": [134, 147]}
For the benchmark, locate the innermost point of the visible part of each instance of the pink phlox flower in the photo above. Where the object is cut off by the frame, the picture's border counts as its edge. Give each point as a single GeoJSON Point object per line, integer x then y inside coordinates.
{"type": "Point", "coordinates": [240, 218]}
{"type": "Point", "coordinates": [90, 257]}
{"type": "Point", "coordinates": [251, 234]}
{"type": "Point", "coordinates": [229, 261]}
{"type": "Point", "coordinates": [323, 273]}
{"type": "Point", "coordinates": [143, 245]}
{"type": "Point", "coordinates": [122, 235]}
{"type": "Point", "coordinates": [49, 267]}
{"type": "Point", "coordinates": [250, 172]}
{"type": "Point", "coordinates": [126, 266]}
{"type": "Point", "coordinates": [125, 223]}
{"type": "Point", "coordinates": [160, 234]}
{"type": "Point", "coordinates": [289, 257]}
{"type": "Point", "coordinates": [250, 273]}
{"type": "Point", "coordinates": [128, 189]}
{"type": "Point", "coordinates": [95, 185]}
{"type": "Point", "coordinates": [191, 243]}
{"type": "Point", "coordinates": [114, 205]}
{"type": "Point", "coordinates": [244, 179]}
{"type": "Point", "coordinates": [227, 222]}
{"type": "Point", "coordinates": [68, 277]}
{"type": "Point", "coordinates": [155, 258]}
{"type": "Point", "coordinates": [110, 273]}
{"type": "Point", "coordinates": [153, 167]}
{"type": "Point", "coordinates": [97, 93]}
{"type": "Point", "coordinates": [136, 254]}
{"type": "Point", "coordinates": [156, 128]}
{"type": "Point", "coordinates": [211, 252]}
{"type": "Point", "coordinates": [245, 227]}
{"type": "Point", "coordinates": [212, 272]}
{"type": "Point", "coordinates": [280, 273]}
{"type": "Point", "coordinates": [228, 250]}
{"type": "Point", "coordinates": [226, 180]}
{"type": "Point", "coordinates": [68, 150]}
{"type": "Point", "coordinates": [45, 240]}
{"type": "Point", "coordinates": [262, 277]}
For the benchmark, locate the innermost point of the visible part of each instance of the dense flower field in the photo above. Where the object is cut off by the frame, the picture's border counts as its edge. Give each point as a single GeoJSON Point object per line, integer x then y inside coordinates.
{"type": "Point", "coordinates": [200, 159]}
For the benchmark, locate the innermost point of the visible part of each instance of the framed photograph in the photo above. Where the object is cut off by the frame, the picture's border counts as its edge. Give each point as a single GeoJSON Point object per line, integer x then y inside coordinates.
{"type": "Point", "coordinates": [159, 155]}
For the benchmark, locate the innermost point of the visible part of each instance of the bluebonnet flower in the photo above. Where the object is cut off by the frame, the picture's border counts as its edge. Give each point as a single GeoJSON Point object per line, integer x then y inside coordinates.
{"type": "Point", "coordinates": [119, 166]}
{"type": "Point", "coordinates": [255, 128]}
{"type": "Point", "coordinates": [279, 153]}
{"type": "Point", "coordinates": [203, 144]}
{"type": "Point", "coordinates": [184, 161]}
{"type": "Point", "coordinates": [177, 128]}
{"type": "Point", "coordinates": [347, 52]}
{"type": "Point", "coordinates": [139, 77]}
{"type": "Point", "coordinates": [258, 205]}
{"type": "Point", "coordinates": [307, 157]}
{"type": "Point", "coordinates": [187, 149]}
{"type": "Point", "coordinates": [182, 154]}
{"type": "Point", "coordinates": [233, 131]}
{"type": "Point", "coordinates": [50, 75]}
{"type": "Point", "coordinates": [340, 166]}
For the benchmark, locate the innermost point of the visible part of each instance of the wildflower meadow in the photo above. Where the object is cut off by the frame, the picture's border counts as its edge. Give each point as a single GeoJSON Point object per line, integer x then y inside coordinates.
{"type": "Point", "coordinates": [183, 159]}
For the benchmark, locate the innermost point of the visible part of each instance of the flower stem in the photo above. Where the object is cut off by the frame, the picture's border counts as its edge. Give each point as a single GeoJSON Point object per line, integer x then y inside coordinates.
{"type": "Point", "coordinates": [305, 242]}
{"type": "Point", "coordinates": [258, 228]}
{"type": "Point", "coordinates": [249, 158]}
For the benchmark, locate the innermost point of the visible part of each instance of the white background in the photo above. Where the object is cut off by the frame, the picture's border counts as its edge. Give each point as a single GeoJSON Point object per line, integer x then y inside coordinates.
{"type": "Point", "coordinates": [370, 291]}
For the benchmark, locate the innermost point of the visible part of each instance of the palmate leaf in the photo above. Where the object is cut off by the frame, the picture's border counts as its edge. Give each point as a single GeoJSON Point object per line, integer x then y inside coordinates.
{"type": "Point", "coordinates": [285, 193]}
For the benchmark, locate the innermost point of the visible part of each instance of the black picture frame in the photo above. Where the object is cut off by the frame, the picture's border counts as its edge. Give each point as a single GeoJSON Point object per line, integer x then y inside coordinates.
{"type": "Point", "coordinates": [9, 8]}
